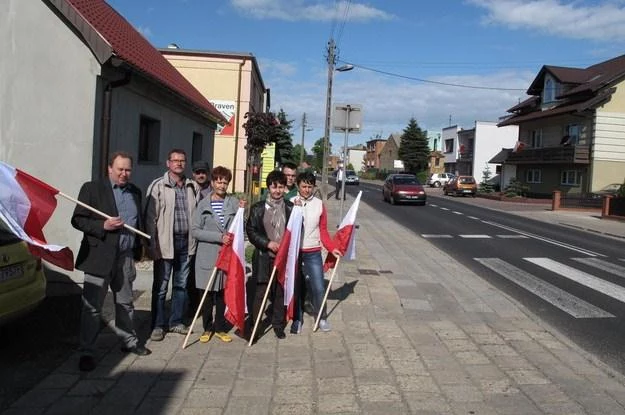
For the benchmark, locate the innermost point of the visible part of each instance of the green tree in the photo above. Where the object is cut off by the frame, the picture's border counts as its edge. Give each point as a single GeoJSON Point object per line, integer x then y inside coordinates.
{"type": "Point", "coordinates": [317, 151]}
{"type": "Point", "coordinates": [261, 128]}
{"type": "Point", "coordinates": [486, 186]}
{"type": "Point", "coordinates": [297, 153]}
{"type": "Point", "coordinates": [284, 140]}
{"type": "Point", "coordinates": [413, 148]}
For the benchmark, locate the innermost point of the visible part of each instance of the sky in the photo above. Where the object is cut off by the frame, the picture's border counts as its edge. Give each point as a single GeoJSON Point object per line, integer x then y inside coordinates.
{"type": "Point", "coordinates": [445, 62]}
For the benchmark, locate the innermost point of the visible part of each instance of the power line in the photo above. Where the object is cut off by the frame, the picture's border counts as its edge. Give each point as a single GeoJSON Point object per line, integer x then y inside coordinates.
{"type": "Point", "coordinates": [428, 81]}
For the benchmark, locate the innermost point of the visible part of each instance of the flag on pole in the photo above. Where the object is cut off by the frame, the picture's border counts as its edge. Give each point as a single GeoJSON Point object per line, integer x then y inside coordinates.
{"type": "Point", "coordinates": [26, 204]}
{"type": "Point", "coordinates": [231, 260]}
{"type": "Point", "coordinates": [345, 237]}
{"type": "Point", "coordinates": [286, 258]}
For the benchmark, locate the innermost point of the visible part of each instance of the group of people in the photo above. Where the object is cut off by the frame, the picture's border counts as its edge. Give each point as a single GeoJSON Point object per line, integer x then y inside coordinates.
{"type": "Point", "coordinates": [187, 221]}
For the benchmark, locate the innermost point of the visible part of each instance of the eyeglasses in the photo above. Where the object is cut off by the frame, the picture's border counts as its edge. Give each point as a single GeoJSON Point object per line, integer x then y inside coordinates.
{"type": "Point", "coordinates": [178, 161]}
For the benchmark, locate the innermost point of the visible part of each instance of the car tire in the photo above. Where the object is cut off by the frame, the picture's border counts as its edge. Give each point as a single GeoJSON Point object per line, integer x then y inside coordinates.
{"type": "Point", "coordinates": [437, 184]}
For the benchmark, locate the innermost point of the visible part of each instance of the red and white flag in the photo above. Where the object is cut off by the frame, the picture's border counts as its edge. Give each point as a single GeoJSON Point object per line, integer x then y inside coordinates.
{"type": "Point", "coordinates": [26, 204]}
{"type": "Point", "coordinates": [286, 258]}
{"type": "Point", "coordinates": [231, 260]}
{"type": "Point", "coordinates": [345, 237]}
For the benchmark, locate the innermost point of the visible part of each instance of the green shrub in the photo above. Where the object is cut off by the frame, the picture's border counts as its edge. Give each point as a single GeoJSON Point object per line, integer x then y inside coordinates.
{"type": "Point", "coordinates": [516, 188]}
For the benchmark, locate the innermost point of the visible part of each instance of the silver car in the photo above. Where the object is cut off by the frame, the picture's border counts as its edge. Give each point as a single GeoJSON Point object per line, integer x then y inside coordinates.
{"type": "Point", "coordinates": [439, 179]}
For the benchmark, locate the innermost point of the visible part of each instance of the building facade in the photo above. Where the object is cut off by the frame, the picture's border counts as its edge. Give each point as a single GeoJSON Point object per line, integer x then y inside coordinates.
{"type": "Point", "coordinates": [232, 82]}
{"type": "Point", "coordinates": [372, 157]}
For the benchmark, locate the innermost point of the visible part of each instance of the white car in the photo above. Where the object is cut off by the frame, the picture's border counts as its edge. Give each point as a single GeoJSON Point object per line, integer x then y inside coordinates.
{"type": "Point", "coordinates": [439, 179]}
{"type": "Point", "coordinates": [352, 178]}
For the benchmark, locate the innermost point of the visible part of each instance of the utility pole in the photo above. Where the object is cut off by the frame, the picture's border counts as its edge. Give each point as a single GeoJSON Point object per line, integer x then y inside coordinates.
{"type": "Point", "coordinates": [301, 154]}
{"type": "Point", "coordinates": [326, 135]}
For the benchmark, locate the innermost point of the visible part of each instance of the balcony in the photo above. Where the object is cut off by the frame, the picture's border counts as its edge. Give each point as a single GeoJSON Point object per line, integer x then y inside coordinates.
{"type": "Point", "coordinates": [465, 156]}
{"type": "Point", "coordinates": [551, 155]}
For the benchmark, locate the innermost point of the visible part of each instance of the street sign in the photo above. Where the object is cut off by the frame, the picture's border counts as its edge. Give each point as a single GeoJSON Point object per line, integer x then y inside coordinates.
{"type": "Point", "coordinates": [347, 117]}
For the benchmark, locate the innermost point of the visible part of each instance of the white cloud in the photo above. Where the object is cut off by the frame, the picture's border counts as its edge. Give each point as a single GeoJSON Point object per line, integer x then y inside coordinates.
{"type": "Point", "coordinates": [295, 10]}
{"type": "Point", "coordinates": [144, 30]}
{"type": "Point", "coordinates": [388, 104]}
{"type": "Point", "coordinates": [568, 19]}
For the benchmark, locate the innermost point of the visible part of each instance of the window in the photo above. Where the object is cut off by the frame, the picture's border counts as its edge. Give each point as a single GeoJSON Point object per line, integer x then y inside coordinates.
{"type": "Point", "coordinates": [196, 147]}
{"type": "Point", "coordinates": [533, 176]}
{"type": "Point", "coordinates": [149, 139]}
{"type": "Point", "coordinates": [571, 134]}
{"type": "Point", "coordinates": [437, 162]}
{"type": "Point", "coordinates": [536, 138]}
{"type": "Point", "coordinates": [569, 177]}
{"type": "Point", "coordinates": [449, 146]}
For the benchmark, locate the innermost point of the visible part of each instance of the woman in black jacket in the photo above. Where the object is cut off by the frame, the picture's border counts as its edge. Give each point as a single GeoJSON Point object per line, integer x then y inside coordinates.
{"type": "Point", "coordinates": [265, 226]}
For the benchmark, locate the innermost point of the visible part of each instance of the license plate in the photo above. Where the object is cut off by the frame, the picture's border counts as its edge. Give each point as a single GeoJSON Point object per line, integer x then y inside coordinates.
{"type": "Point", "coordinates": [10, 272]}
{"type": "Point", "coordinates": [413, 197]}
{"type": "Point", "coordinates": [467, 191]}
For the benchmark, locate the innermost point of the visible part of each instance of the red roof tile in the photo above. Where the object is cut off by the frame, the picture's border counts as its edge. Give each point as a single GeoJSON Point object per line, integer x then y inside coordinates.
{"type": "Point", "coordinates": [128, 44]}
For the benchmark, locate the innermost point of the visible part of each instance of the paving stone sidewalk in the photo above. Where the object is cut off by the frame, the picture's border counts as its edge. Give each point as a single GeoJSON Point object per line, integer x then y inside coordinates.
{"type": "Point", "coordinates": [413, 332]}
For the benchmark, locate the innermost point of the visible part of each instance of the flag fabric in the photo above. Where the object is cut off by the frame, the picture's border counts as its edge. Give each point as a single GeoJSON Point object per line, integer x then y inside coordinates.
{"type": "Point", "coordinates": [26, 205]}
{"type": "Point", "coordinates": [345, 237]}
{"type": "Point", "coordinates": [231, 260]}
{"type": "Point", "coordinates": [287, 256]}
{"type": "Point", "coordinates": [518, 147]}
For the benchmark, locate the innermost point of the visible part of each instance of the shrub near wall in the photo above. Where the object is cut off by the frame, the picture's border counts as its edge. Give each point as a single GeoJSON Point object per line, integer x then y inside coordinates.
{"type": "Point", "coordinates": [617, 206]}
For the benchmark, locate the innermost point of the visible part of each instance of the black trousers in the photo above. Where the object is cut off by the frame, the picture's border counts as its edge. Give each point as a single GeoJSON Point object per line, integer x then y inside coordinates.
{"type": "Point", "coordinates": [214, 299]}
{"type": "Point", "coordinates": [339, 185]}
{"type": "Point", "coordinates": [277, 309]}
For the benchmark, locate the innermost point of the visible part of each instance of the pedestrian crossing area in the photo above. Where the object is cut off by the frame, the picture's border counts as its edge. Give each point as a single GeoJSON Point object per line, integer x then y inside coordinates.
{"type": "Point", "coordinates": [595, 274]}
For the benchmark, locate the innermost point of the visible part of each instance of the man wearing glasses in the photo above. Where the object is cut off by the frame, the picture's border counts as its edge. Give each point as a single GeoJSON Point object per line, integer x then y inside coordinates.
{"type": "Point", "coordinates": [171, 201]}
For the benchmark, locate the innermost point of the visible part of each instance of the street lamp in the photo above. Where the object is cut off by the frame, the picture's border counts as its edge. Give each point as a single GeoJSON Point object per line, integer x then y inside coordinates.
{"type": "Point", "coordinates": [326, 138]}
{"type": "Point", "coordinates": [304, 129]}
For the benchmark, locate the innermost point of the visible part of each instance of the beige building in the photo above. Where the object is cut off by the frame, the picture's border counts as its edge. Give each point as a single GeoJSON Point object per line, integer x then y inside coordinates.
{"type": "Point", "coordinates": [372, 158]}
{"type": "Point", "coordinates": [233, 84]}
{"type": "Point", "coordinates": [571, 130]}
{"type": "Point", "coordinates": [390, 152]}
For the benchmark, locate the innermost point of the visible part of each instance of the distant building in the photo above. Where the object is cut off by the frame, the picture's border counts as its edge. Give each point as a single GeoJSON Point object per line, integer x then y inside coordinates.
{"type": "Point", "coordinates": [390, 152]}
{"type": "Point", "coordinates": [356, 157]}
{"type": "Point", "coordinates": [372, 158]}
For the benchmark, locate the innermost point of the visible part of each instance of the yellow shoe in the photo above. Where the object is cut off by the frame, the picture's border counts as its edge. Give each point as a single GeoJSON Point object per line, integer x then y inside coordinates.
{"type": "Point", "coordinates": [206, 336]}
{"type": "Point", "coordinates": [223, 336]}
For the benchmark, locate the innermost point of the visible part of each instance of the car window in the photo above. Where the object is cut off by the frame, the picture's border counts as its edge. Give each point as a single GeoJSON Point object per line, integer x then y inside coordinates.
{"type": "Point", "coordinates": [405, 180]}
{"type": "Point", "coordinates": [466, 180]}
{"type": "Point", "coordinates": [350, 173]}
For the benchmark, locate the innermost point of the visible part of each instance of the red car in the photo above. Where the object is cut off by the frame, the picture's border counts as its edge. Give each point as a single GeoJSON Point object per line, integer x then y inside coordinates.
{"type": "Point", "coordinates": [403, 188]}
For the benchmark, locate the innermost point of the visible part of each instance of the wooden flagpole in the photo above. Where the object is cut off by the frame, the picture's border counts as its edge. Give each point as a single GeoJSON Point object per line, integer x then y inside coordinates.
{"type": "Point", "coordinates": [325, 297]}
{"type": "Point", "coordinates": [262, 307]}
{"type": "Point", "coordinates": [199, 308]}
{"type": "Point", "coordinates": [104, 215]}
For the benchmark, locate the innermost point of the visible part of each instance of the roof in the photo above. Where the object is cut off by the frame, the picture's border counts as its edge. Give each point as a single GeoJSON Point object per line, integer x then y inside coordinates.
{"type": "Point", "coordinates": [584, 89]}
{"type": "Point", "coordinates": [501, 157]}
{"type": "Point", "coordinates": [110, 35]}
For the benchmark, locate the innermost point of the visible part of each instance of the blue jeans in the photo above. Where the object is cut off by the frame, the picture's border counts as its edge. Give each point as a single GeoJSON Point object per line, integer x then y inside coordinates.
{"type": "Point", "coordinates": [179, 267]}
{"type": "Point", "coordinates": [311, 280]}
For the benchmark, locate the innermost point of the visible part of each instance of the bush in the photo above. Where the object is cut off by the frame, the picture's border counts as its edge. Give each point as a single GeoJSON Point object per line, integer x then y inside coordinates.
{"type": "Point", "coordinates": [516, 188]}
{"type": "Point", "coordinates": [486, 186]}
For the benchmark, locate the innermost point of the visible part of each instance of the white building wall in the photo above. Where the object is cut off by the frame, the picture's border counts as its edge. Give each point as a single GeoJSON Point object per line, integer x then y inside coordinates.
{"type": "Point", "coordinates": [48, 101]}
{"type": "Point", "coordinates": [450, 133]}
{"type": "Point", "coordinates": [489, 140]}
{"type": "Point", "coordinates": [609, 144]}
{"type": "Point", "coordinates": [357, 159]}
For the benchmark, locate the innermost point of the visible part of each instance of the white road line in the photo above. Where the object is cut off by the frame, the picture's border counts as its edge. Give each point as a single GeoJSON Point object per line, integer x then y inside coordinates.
{"type": "Point", "coordinates": [473, 217]}
{"type": "Point", "coordinates": [547, 240]}
{"type": "Point", "coordinates": [432, 236]}
{"type": "Point", "coordinates": [475, 236]}
{"type": "Point", "coordinates": [456, 212]}
{"type": "Point", "coordinates": [606, 266]}
{"type": "Point", "coordinates": [512, 236]}
{"type": "Point", "coordinates": [605, 287]}
{"type": "Point", "coordinates": [559, 298]}
{"type": "Point", "coordinates": [444, 208]}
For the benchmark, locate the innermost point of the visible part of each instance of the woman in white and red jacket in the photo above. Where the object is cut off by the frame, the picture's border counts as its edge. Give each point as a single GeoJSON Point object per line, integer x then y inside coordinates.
{"type": "Point", "coordinates": [314, 234]}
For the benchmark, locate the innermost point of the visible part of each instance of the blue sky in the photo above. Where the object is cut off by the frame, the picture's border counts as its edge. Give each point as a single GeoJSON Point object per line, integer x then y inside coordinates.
{"type": "Point", "coordinates": [494, 48]}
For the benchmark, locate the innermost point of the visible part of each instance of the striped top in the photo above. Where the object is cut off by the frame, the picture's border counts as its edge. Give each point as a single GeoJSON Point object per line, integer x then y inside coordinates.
{"type": "Point", "coordinates": [218, 210]}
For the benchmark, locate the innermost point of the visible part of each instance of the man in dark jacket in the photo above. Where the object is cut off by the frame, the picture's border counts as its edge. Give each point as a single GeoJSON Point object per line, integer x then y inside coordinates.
{"type": "Point", "coordinates": [107, 254]}
{"type": "Point", "coordinates": [265, 228]}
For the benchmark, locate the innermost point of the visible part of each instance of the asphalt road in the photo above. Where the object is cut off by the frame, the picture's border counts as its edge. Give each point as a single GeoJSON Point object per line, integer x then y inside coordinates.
{"type": "Point", "coordinates": [573, 280]}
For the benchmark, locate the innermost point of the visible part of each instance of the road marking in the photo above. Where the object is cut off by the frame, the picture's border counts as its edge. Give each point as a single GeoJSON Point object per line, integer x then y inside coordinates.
{"type": "Point", "coordinates": [605, 287]}
{"type": "Point", "coordinates": [556, 296]}
{"type": "Point", "coordinates": [457, 213]}
{"type": "Point", "coordinates": [432, 236]}
{"type": "Point", "coordinates": [475, 236]}
{"type": "Point", "coordinates": [606, 266]}
{"type": "Point", "coordinates": [547, 240]}
{"type": "Point", "coordinates": [512, 236]}
{"type": "Point", "coordinates": [473, 217]}
{"type": "Point", "coordinates": [444, 208]}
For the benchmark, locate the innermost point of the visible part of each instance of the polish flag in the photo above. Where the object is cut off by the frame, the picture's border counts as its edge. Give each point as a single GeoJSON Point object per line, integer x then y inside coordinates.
{"type": "Point", "coordinates": [26, 204]}
{"type": "Point", "coordinates": [231, 260]}
{"type": "Point", "coordinates": [345, 237]}
{"type": "Point", "coordinates": [518, 147]}
{"type": "Point", "coordinates": [286, 258]}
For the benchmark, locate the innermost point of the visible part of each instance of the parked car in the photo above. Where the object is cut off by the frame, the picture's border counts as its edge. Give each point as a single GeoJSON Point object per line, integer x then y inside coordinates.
{"type": "Point", "coordinates": [403, 188]}
{"type": "Point", "coordinates": [461, 185]}
{"type": "Point", "coordinates": [439, 179]}
{"type": "Point", "coordinates": [22, 281]}
{"type": "Point", "coordinates": [351, 178]}
{"type": "Point", "coordinates": [611, 189]}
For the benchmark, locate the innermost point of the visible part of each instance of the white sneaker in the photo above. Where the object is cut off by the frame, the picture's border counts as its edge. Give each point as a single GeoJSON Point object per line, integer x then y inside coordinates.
{"type": "Point", "coordinates": [324, 325]}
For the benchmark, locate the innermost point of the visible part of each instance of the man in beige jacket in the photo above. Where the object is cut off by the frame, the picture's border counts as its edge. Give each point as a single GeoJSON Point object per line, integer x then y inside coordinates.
{"type": "Point", "coordinates": [171, 201]}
